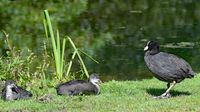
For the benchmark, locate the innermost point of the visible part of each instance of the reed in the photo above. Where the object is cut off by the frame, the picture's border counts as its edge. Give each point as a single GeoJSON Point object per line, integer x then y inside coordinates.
{"type": "Point", "coordinates": [57, 51]}
{"type": "Point", "coordinates": [79, 56]}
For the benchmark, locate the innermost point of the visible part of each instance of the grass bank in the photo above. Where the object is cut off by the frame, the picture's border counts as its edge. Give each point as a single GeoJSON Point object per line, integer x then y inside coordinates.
{"type": "Point", "coordinates": [118, 96]}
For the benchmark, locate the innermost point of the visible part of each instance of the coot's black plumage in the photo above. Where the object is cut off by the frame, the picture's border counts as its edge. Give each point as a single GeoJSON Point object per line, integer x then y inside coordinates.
{"type": "Point", "coordinates": [76, 87]}
{"type": "Point", "coordinates": [13, 92]}
{"type": "Point", "coordinates": [166, 67]}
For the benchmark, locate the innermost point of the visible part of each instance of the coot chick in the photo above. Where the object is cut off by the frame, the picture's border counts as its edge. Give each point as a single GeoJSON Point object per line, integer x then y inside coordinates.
{"type": "Point", "coordinates": [166, 67]}
{"type": "Point", "coordinates": [13, 92]}
{"type": "Point", "coordinates": [77, 87]}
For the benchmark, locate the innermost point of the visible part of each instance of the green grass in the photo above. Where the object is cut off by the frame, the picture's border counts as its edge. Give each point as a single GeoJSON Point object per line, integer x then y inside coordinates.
{"type": "Point", "coordinates": [119, 96]}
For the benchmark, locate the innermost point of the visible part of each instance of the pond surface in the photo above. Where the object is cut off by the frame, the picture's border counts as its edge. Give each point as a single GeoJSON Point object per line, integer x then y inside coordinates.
{"type": "Point", "coordinates": [174, 24]}
{"type": "Point", "coordinates": [127, 63]}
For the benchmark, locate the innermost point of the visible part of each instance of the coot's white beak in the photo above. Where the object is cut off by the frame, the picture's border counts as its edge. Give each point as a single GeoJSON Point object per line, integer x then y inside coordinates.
{"type": "Point", "coordinates": [146, 48]}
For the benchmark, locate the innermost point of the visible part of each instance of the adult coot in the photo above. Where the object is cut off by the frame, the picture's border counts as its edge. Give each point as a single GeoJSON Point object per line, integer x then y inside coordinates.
{"type": "Point", "coordinates": [166, 67]}
{"type": "Point", "coordinates": [13, 92]}
{"type": "Point", "coordinates": [76, 87]}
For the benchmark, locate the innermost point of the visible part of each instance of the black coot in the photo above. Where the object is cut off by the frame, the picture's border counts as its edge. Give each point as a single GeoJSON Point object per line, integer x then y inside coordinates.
{"type": "Point", "coordinates": [76, 87]}
{"type": "Point", "coordinates": [13, 92]}
{"type": "Point", "coordinates": [166, 67]}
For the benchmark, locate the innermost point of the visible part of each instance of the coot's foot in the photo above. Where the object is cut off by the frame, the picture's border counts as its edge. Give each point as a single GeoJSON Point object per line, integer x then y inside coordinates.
{"type": "Point", "coordinates": [163, 96]}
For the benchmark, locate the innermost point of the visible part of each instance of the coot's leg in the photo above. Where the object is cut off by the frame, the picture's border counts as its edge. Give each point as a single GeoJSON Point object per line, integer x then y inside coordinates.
{"type": "Point", "coordinates": [167, 94]}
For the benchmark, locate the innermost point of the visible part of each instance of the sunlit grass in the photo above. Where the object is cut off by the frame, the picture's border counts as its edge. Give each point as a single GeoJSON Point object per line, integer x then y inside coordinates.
{"type": "Point", "coordinates": [120, 96]}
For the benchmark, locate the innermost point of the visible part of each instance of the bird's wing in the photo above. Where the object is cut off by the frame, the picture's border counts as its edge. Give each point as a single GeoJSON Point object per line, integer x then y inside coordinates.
{"type": "Point", "coordinates": [84, 88]}
{"type": "Point", "coordinates": [73, 82]}
{"type": "Point", "coordinates": [23, 93]}
{"type": "Point", "coordinates": [172, 65]}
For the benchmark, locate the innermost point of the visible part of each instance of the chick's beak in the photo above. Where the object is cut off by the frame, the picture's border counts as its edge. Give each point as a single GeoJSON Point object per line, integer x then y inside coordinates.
{"type": "Point", "coordinates": [146, 48]}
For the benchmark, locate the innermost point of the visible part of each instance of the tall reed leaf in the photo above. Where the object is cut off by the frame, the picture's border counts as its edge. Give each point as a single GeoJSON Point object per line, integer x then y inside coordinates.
{"type": "Point", "coordinates": [58, 54]}
{"type": "Point", "coordinates": [70, 63]}
{"type": "Point", "coordinates": [79, 56]}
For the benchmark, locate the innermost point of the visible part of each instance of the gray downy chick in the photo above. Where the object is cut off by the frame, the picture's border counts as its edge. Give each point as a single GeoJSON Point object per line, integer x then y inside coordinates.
{"type": "Point", "coordinates": [77, 87]}
{"type": "Point", "coordinates": [13, 92]}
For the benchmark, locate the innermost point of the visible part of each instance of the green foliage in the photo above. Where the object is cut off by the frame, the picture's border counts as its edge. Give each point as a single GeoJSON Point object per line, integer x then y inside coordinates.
{"type": "Point", "coordinates": [16, 68]}
{"type": "Point", "coordinates": [14, 65]}
{"type": "Point", "coordinates": [23, 67]}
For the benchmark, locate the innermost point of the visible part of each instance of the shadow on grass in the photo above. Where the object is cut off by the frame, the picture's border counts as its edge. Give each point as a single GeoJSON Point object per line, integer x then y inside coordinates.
{"type": "Point", "coordinates": [157, 92]}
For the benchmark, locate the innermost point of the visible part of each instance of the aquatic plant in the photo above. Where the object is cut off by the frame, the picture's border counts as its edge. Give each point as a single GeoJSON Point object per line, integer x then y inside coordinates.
{"type": "Point", "coordinates": [59, 53]}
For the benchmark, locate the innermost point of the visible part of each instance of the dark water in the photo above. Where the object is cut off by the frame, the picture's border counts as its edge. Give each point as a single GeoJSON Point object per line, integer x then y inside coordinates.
{"type": "Point", "coordinates": [127, 62]}
{"type": "Point", "coordinates": [174, 24]}
{"type": "Point", "coordinates": [112, 31]}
